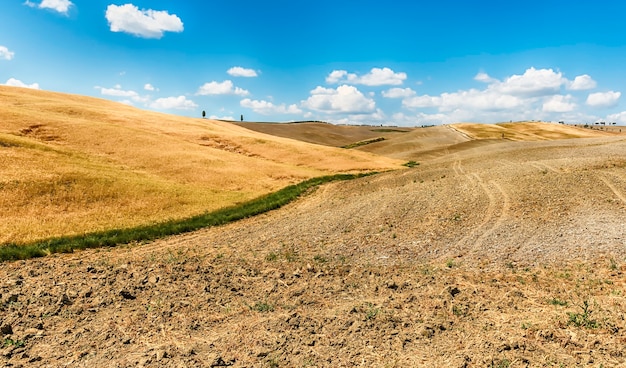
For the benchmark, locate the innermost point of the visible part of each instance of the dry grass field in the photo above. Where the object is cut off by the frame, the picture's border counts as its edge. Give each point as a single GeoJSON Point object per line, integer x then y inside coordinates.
{"type": "Point", "coordinates": [490, 252]}
{"type": "Point", "coordinates": [72, 164]}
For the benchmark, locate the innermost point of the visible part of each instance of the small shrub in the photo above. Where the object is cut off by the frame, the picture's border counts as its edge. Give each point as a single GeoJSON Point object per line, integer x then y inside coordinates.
{"type": "Point", "coordinates": [263, 307]}
{"type": "Point", "coordinates": [11, 342]}
{"type": "Point", "coordinates": [271, 256]}
{"type": "Point", "coordinates": [290, 255]}
{"type": "Point", "coordinates": [319, 259]}
{"type": "Point", "coordinates": [371, 312]}
{"type": "Point", "coordinates": [583, 319]}
{"type": "Point", "coordinates": [557, 301]}
{"type": "Point", "coordinates": [411, 164]}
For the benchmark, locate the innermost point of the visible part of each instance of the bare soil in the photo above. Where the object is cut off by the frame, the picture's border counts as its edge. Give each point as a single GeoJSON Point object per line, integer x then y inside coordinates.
{"type": "Point", "coordinates": [500, 254]}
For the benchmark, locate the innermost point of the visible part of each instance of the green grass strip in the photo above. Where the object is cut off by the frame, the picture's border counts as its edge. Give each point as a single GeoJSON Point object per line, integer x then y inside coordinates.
{"type": "Point", "coordinates": [110, 238]}
{"type": "Point", "coordinates": [363, 143]}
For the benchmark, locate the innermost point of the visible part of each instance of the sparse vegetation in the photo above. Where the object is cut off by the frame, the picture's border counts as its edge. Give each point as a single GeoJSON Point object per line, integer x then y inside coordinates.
{"type": "Point", "coordinates": [388, 130]}
{"type": "Point", "coordinates": [583, 319]}
{"type": "Point", "coordinates": [11, 342]}
{"type": "Point", "coordinates": [557, 301]}
{"type": "Point", "coordinates": [411, 164]}
{"type": "Point", "coordinates": [271, 256]}
{"type": "Point", "coordinates": [262, 307]}
{"type": "Point", "coordinates": [371, 311]}
{"type": "Point", "coordinates": [363, 143]}
{"type": "Point", "coordinates": [319, 258]}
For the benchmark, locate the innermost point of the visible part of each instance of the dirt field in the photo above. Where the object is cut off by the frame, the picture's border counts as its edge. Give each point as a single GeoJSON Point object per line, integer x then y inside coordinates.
{"type": "Point", "coordinates": [489, 254]}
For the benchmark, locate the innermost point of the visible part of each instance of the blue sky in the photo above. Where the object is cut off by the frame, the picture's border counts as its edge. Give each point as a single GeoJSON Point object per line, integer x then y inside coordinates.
{"type": "Point", "coordinates": [352, 62]}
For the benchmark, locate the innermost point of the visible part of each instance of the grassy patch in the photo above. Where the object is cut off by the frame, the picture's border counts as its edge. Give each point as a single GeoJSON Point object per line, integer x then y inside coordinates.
{"type": "Point", "coordinates": [363, 143]}
{"type": "Point", "coordinates": [556, 301]}
{"type": "Point", "coordinates": [388, 130]}
{"type": "Point", "coordinates": [583, 319]}
{"type": "Point", "coordinates": [411, 164]}
{"type": "Point", "coordinates": [11, 252]}
{"type": "Point", "coordinates": [262, 307]}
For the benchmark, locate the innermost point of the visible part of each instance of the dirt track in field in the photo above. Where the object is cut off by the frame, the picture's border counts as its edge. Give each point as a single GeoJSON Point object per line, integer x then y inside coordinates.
{"type": "Point", "coordinates": [504, 254]}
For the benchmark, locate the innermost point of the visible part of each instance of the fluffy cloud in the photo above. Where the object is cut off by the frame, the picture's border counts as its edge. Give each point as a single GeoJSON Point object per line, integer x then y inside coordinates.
{"type": "Point", "coordinates": [117, 91]}
{"type": "Point", "coordinates": [582, 82]}
{"type": "Point", "coordinates": [268, 108]}
{"type": "Point", "coordinates": [534, 82]}
{"type": "Point", "coordinates": [173, 103]}
{"type": "Point", "coordinates": [559, 103]}
{"type": "Point", "coordinates": [5, 53]}
{"type": "Point", "coordinates": [603, 99]}
{"type": "Point", "coordinates": [534, 94]}
{"type": "Point", "coordinates": [237, 71]}
{"type": "Point", "coordinates": [142, 23]}
{"type": "Point", "coordinates": [472, 99]}
{"type": "Point", "coordinates": [221, 88]}
{"type": "Point", "coordinates": [215, 117]}
{"type": "Point", "coordinates": [620, 117]}
{"type": "Point", "coordinates": [376, 77]}
{"type": "Point", "coordinates": [485, 78]}
{"type": "Point", "coordinates": [149, 87]}
{"type": "Point", "coordinates": [399, 93]}
{"type": "Point", "coordinates": [61, 6]}
{"type": "Point", "coordinates": [18, 83]}
{"type": "Point", "coordinates": [344, 99]}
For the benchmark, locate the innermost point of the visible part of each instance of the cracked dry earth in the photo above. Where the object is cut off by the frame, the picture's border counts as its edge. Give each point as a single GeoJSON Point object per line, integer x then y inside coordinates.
{"type": "Point", "coordinates": [510, 254]}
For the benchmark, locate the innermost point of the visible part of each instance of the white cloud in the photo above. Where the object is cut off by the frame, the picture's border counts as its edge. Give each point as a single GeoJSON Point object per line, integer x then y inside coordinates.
{"type": "Point", "coordinates": [620, 117]}
{"type": "Point", "coordinates": [398, 93]}
{"type": "Point", "coordinates": [336, 76]}
{"type": "Point", "coordinates": [472, 99]}
{"type": "Point", "coordinates": [117, 91]}
{"type": "Point", "coordinates": [61, 6]}
{"type": "Point", "coordinates": [485, 78]}
{"type": "Point", "coordinates": [603, 99]}
{"type": "Point", "coordinates": [582, 82]}
{"type": "Point", "coordinates": [149, 87]}
{"type": "Point", "coordinates": [215, 117]}
{"type": "Point", "coordinates": [268, 108]}
{"type": "Point", "coordinates": [237, 71]}
{"type": "Point", "coordinates": [173, 103]}
{"type": "Point", "coordinates": [344, 99]}
{"type": "Point", "coordinates": [534, 94]}
{"type": "Point", "coordinates": [5, 53]}
{"type": "Point", "coordinates": [420, 119]}
{"type": "Point", "coordinates": [142, 23]}
{"type": "Point", "coordinates": [221, 88]}
{"type": "Point", "coordinates": [559, 103]}
{"type": "Point", "coordinates": [18, 83]}
{"type": "Point", "coordinates": [534, 82]}
{"type": "Point", "coordinates": [376, 77]}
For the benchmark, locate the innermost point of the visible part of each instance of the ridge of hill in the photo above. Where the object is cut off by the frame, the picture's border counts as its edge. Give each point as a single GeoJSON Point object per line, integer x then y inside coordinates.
{"type": "Point", "coordinates": [71, 164]}
{"type": "Point", "coordinates": [422, 143]}
{"type": "Point", "coordinates": [528, 131]}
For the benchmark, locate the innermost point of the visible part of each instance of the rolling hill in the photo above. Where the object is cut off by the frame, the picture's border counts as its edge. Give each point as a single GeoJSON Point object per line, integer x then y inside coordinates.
{"type": "Point", "coordinates": [72, 164]}
{"type": "Point", "coordinates": [491, 252]}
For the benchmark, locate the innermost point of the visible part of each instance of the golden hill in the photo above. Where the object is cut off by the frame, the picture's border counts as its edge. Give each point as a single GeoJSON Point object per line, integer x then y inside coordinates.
{"type": "Point", "coordinates": [71, 164]}
{"type": "Point", "coordinates": [528, 131]}
{"type": "Point", "coordinates": [422, 143]}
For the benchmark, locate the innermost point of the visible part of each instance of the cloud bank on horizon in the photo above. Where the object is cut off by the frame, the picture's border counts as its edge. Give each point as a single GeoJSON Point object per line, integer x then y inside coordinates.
{"type": "Point", "coordinates": [231, 60]}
